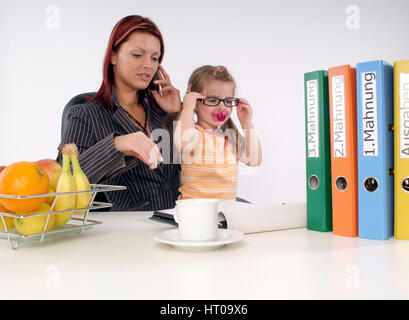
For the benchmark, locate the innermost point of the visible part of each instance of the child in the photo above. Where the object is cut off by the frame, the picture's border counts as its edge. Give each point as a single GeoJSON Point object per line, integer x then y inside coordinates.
{"type": "Point", "coordinates": [212, 146]}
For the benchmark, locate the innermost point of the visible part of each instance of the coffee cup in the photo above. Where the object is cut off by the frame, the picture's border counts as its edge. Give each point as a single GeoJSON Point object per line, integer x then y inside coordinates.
{"type": "Point", "coordinates": [197, 219]}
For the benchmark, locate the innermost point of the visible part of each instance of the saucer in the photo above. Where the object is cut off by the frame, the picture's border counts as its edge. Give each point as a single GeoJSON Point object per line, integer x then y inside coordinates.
{"type": "Point", "coordinates": [224, 236]}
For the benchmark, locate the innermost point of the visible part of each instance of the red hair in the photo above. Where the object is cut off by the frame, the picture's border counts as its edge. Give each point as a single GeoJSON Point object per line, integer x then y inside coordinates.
{"type": "Point", "coordinates": [121, 31]}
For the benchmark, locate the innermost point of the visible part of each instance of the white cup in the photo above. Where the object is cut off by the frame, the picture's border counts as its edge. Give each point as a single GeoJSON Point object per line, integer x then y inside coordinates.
{"type": "Point", "coordinates": [197, 219]}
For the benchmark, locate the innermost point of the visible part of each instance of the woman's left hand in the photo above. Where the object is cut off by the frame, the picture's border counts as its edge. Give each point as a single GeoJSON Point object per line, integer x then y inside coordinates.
{"type": "Point", "coordinates": [168, 97]}
{"type": "Point", "coordinates": [244, 113]}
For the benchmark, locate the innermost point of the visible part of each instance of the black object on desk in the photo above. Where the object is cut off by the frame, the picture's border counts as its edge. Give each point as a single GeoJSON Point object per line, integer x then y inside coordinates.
{"type": "Point", "coordinates": [164, 217]}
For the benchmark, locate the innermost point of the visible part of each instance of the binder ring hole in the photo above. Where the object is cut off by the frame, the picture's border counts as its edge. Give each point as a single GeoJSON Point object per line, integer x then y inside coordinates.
{"type": "Point", "coordinates": [341, 183]}
{"type": "Point", "coordinates": [371, 184]}
{"type": "Point", "coordinates": [314, 182]}
{"type": "Point", "coordinates": [405, 184]}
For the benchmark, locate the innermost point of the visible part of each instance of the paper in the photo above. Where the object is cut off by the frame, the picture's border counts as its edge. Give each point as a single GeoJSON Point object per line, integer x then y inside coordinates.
{"type": "Point", "coordinates": [251, 218]}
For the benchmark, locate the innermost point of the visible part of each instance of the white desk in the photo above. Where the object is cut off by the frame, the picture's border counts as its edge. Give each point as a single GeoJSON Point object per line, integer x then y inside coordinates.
{"type": "Point", "coordinates": [119, 259]}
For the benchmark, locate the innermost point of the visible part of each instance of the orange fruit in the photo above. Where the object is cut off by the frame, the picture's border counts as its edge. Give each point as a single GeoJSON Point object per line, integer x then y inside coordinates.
{"type": "Point", "coordinates": [23, 179]}
{"type": "Point", "coordinates": [9, 220]}
{"type": "Point", "coordinates": [2, 209]}
{"type": "Point", "coordinates": [50, 199]}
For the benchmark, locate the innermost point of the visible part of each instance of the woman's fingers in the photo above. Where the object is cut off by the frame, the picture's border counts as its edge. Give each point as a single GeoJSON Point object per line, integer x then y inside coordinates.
{"type": "Point", "coordinates": [165, 87]}
{"type": "Point", "coordinates": [165, 84]}
{"type": "Point", "coordinates": [140, 146]}
{"type": "Point", "coordinates": [168, 89]}
{"type": "Point", "coordinates": [144, 157]}
{"type": "Point", "coordinates": [162, 82]}
{"type": "Point", "coordinates": [153, 157]}
{"type": "Point", "coordinates": [147, 150]}
{"type": "Point", "coordinates": [159, 155]}
{"type": "Point", "coordinates": [150, 157]}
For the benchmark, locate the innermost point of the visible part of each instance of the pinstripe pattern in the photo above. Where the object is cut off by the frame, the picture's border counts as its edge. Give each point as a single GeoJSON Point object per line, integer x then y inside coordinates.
{"type": "Point", "coordinates": [92, 127]}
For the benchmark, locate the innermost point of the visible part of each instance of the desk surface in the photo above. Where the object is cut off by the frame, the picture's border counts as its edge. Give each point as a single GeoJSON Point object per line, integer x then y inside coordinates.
{"type": "Point", "coordinates": [120, 260]}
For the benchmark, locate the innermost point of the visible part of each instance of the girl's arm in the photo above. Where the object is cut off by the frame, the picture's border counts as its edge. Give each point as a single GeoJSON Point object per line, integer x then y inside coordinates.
{"type": "Point", "coordinates": [249, 153]}
{"type": "Point", "coordinates": [184, 137]}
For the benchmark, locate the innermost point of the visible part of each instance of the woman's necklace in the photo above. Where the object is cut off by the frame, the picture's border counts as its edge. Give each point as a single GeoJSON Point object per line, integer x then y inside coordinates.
{"type": "Point", "coordinates": [132, 118]}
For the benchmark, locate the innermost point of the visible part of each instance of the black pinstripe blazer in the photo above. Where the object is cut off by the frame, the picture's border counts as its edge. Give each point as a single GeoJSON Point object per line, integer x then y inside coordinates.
{"type": "Point", "coordinates": [92, 127]}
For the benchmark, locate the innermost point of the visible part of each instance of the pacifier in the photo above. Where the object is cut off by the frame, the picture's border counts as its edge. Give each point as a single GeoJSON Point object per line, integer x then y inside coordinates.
{"type": "Point", "coordinates": [220, 115]}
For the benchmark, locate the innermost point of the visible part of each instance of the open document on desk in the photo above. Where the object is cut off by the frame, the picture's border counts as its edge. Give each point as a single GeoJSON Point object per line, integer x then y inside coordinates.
{"type": "Point", "coordinates": [251, 218]}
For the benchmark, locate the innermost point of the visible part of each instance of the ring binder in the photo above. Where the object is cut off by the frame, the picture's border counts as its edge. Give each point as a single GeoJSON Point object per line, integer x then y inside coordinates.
{"type": "Point", "coordinates": [342, 89]}
{"type": "Point", "coordinates": [318, 163]}
{"type": "Point", "coordinates": [401, 138]}
{"type": "Point", "coordinates": [375, 149]}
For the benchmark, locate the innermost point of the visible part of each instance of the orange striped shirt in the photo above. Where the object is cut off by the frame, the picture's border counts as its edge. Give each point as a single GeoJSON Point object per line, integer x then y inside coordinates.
{"type": "Point", "coordinates": [210, 171]}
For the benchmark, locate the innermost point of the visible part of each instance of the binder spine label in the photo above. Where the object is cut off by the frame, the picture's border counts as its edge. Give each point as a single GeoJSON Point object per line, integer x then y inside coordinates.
{"type": "Point", "coordinates": [313, 119]}
{"type": "Point", "coordinates": [369, 114]}
{"type": "Point", "coordinates": [338, 116]}
{"type": "Point", "coordinates": [404, 115]}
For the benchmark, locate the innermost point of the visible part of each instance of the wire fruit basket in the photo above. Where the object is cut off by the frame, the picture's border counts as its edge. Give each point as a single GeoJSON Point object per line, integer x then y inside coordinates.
{"type": "Point", "coordinates": [77, 224]}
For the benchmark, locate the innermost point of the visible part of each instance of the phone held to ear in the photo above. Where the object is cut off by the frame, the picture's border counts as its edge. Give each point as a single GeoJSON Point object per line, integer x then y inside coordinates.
{"type": "Point", "coordinates": [153, 86]}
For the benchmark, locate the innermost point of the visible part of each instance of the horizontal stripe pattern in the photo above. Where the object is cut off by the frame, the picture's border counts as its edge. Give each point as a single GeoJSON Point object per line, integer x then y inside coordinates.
{"type": "Point", "coordinates": [206, 179]}
{"type": "Point", "coordinates": [211, 172]}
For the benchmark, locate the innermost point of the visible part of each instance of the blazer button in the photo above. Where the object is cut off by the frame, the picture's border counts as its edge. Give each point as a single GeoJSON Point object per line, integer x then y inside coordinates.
{"type": "Point", "coordinates": [166, 186]}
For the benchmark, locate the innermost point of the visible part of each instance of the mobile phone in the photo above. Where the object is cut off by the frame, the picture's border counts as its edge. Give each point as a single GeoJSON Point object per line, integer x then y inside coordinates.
{"type": "Point", "coordinates": [153, 86]}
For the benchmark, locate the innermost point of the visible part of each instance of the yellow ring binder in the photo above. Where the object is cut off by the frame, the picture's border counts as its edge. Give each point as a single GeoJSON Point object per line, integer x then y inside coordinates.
{"type": "Point", "coordinates": [405, 184]}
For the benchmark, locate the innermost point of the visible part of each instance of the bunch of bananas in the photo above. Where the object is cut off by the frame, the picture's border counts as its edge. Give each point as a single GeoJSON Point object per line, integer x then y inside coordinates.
{"type": "Point", "coordinates": [70, 182]}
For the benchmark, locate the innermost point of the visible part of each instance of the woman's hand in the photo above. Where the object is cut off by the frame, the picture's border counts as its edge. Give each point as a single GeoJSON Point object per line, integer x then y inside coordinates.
{"type": "Point", "coordinates": [244, 113]}
{"type": "Point", "coordinates": [140, 146]}
{"type": "Point", "coordinates": [168, 97]}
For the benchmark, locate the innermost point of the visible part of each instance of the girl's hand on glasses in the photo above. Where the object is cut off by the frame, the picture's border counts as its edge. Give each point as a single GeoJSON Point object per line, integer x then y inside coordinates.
{"type": "Point", "coordinates": [190, 99]}
{"type": "Point", "coordinates": [244, 113]}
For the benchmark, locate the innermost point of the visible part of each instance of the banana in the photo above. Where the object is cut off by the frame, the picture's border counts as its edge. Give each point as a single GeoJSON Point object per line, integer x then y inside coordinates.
{"type": "Point", "coordinates": [83, 200]}
{"type": "Point", "coordinates": [65, 184]}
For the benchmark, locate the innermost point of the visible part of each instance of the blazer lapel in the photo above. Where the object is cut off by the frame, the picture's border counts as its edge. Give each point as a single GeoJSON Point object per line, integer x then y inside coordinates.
{"type": "Point", "coordinates": [122, 120]}
{"type": "Point", "coordinates": [128, 127]}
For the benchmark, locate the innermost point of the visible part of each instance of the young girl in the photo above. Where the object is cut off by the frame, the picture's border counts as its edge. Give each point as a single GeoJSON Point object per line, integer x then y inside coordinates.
{"type": "Point", "coordinates": [211, 147]}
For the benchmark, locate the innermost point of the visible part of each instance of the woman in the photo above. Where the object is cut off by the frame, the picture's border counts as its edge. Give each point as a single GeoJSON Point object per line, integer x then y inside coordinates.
{"type": "Point", "coordinates": [112, 130]}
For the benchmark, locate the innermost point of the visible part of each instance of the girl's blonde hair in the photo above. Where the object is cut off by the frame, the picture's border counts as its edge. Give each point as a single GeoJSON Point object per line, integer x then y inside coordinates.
{"type": "Point", "coordinates": [197, 81]}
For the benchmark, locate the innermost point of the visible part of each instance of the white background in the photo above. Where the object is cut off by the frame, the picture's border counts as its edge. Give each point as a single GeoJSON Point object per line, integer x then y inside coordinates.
{"type": "Point", "coordinates": [266, 45]}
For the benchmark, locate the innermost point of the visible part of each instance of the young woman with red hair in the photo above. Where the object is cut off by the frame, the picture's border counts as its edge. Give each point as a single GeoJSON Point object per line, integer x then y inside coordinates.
{"type": "Point", "coordinates": [112, 130]}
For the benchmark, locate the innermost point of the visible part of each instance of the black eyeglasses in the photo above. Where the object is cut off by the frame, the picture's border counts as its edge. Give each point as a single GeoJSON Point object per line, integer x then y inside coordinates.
{"type": "Point", "coordinates": [213, 101]}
